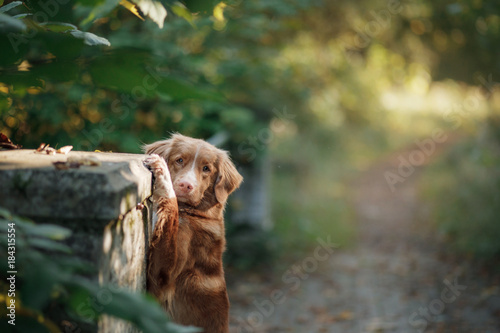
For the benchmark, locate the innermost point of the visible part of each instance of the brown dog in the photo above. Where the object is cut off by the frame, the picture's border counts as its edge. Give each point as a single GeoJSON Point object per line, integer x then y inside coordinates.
{"type": "Point", "coordinates": [192, 182]}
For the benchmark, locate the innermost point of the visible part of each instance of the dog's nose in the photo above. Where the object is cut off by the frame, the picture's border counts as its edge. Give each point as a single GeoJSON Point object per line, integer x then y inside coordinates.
{"type": "Point", "coordinates": [186, 186]}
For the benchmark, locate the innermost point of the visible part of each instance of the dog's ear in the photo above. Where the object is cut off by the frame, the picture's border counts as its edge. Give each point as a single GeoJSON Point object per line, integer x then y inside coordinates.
{"type": "Point", "coordinates": [228, 178]}
{"type": "Point", "coordinates": [161, 148]}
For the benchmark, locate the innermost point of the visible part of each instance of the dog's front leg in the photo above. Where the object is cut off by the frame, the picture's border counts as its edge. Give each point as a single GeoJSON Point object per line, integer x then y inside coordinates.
{"type": "Point", "coordinates": [162, 256]}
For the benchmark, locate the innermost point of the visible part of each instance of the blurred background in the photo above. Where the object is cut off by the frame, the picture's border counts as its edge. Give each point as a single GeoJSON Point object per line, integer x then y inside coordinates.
{"type": "Point", "coordinates": [325, 106]}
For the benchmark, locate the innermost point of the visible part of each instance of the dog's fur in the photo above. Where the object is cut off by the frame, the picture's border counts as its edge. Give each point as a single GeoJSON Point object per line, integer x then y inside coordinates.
{"type": "Point", "coordinates": [192, 182]}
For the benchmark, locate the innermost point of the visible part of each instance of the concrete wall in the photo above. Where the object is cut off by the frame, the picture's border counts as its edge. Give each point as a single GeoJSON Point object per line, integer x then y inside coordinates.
{"type": "Point", "coordinates": [251, 204]}
{"type": "Point", "coordinates": [106, 206]}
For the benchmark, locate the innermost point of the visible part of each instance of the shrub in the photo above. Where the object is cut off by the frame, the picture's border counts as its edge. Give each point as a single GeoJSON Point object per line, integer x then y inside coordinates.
{"type": "Point", "coordinates": [463, 192]}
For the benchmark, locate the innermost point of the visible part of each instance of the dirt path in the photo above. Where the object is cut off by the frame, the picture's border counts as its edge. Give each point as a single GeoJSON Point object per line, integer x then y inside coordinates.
{"type": "Point", "coordinates": [394, 280]}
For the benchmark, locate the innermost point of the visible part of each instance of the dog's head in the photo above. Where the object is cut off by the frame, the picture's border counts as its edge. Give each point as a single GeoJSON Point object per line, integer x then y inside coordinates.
{"type": "Point", "coordinates": [199, 170]}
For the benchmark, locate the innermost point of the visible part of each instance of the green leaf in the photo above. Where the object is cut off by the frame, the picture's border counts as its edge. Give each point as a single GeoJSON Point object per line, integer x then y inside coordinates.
{"type": "Point", "coordinates": [57, 71]}
{"type": "Point", "coordinates": [89, 38]}
{"type": "Point", "coordinates": [11, 5]}
{"type": "Point", "coordinates": [10, 24]}
{"type": "Point", "coordinates": [100, 11]}
{"type": "Point", "coordinates": [5, 214]}
{"type": "Point", "coordinates": [90, 3]}
{"type": "Point", "coordinates": [21, 80]}
{"type": "Point", "coordinates": [145, 313]}
{"type": "Point", "coordinates": [49, 245]}
{"type": "Point", "coordinates": [200, 5]}
{"type": "Point", "coordinates": [121, 71]}
{"type": "Point", "coordinates": [76, 265]}
{"type": "Point", "coordinates": [39, 275]}
{"type": "Point", "coordinates": [180, 10]}
{"type": "Point", "coordinates": [21, 16]}
{"type": "Point", "coordinates": [128, 72]}
{"type": "Point", "coordinates": [47, 230]}
{"type": "Point", "coordinates": [58, 26]}
{"type": "Point", "coordinates": [179, 89]}
{"type": "Point", "coordinates": [61, 45]}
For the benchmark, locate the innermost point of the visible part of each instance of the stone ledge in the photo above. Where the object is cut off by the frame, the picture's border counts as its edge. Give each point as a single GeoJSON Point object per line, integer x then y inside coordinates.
{"type": "Point", "coordinates": [31, 186]}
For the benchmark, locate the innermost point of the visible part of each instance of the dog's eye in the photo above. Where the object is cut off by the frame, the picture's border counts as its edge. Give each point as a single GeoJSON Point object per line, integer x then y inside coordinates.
{"type": "Point", "coordinates": [180, 160]}
{"type": "Point", "coordinates": [206, 169]}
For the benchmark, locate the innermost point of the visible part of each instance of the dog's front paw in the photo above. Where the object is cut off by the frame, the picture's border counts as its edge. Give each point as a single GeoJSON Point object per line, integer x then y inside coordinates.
{"type": "Point", "coordinates": [163, 183]}
{"type": "Point", "coordinates": [157, 165]}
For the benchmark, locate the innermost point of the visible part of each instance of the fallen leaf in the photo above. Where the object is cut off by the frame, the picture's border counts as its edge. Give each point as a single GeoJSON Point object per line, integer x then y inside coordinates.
{"type": "Point", "coordinates": [64, 150]}
{"type": "Point", "coordinates": [6, 143]}
{"type": "Point", "coordinates": [345, 315]}
{"type": "Point", "coordinates": [42, 147]}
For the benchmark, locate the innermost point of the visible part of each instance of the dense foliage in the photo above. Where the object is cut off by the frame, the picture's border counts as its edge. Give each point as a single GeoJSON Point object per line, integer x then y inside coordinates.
{"type": "Point", "coordinates": [462, 192]}
{"type": "Point", "coordinates": [199, 75]}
